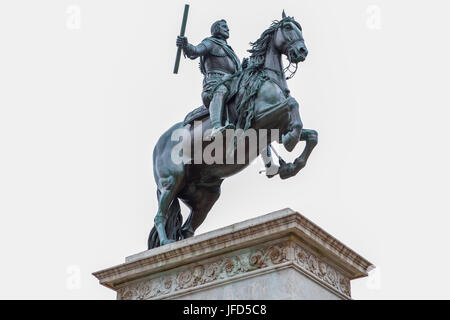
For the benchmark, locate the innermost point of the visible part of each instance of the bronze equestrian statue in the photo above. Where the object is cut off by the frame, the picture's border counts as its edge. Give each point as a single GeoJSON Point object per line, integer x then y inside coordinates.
{"type": "Point", "coordinates": [252, 96]}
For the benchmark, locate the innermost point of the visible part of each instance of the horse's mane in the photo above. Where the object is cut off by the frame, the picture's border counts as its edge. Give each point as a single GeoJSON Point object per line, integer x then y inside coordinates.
{"type": "Point", "coordinates": [259, 47]}
{"type": "Point", "coordinates": [254, 75]}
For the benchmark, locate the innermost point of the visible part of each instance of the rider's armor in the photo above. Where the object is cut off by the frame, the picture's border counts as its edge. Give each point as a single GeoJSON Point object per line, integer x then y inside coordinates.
{"type": "Point", "coordinates": [217, 61]}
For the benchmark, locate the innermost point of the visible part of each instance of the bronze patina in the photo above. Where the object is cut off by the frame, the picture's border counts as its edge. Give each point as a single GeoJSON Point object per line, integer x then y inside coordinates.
{"type": "Point", "coordinates": [252, 95]}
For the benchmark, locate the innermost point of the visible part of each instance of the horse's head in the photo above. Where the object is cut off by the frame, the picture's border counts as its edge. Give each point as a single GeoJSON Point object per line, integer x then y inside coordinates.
{"type": "Point", "coordinates": [289, 41]}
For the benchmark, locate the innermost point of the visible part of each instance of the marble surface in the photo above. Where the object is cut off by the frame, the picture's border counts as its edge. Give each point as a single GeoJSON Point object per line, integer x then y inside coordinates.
{"type": "Point", "coordinates": [280, 255]}
{"type": "Point", "coordinates": [284, 284]}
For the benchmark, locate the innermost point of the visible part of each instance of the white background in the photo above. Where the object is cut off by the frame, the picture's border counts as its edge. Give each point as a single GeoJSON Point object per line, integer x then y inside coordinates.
{"type": "Point", "coordinates": [86, 88]}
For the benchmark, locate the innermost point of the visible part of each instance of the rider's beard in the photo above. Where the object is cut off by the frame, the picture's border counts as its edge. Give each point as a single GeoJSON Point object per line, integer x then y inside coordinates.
{"type": "Point", "coordinates": [223, 36]}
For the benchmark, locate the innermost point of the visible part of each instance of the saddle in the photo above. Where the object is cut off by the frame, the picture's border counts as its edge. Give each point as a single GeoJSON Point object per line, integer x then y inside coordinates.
{"type": "Point", "coordinates": [196, 114]}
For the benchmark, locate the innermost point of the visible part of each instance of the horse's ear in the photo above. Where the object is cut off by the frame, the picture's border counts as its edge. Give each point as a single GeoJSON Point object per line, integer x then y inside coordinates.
{"type": "Point", "coordinates": [283, 15]}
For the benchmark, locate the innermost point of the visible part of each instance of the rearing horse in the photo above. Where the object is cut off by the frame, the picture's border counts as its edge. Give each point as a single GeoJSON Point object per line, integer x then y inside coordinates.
{"type": "Point", "coordinates": [270, 107]}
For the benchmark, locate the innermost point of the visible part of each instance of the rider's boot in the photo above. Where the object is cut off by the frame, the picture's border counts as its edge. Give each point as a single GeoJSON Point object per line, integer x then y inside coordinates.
{"type": "Point", "coordinates": [216, 112]}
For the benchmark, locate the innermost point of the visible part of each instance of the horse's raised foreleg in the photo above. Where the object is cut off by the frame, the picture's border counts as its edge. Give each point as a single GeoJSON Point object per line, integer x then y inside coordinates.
{"type": "Point", "coordinates": [274, 111]}
{"type": "Point", "coordinates": [294, 130]}
{"type": "Point", "coordinates": [288, 170]}
{"type": "Point", "coordinates": [285, 116]}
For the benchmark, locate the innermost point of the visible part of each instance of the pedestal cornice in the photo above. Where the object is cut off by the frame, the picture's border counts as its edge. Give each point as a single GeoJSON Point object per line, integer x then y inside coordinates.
{"type": "Point", "coordinates": [279, 239]}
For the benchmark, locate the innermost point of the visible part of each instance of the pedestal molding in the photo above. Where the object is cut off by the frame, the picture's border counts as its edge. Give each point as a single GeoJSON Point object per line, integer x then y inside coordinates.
{"type": "Point", "coordinates": [241, 264]}
{"type": "Point", "coordinates": [246, 249]}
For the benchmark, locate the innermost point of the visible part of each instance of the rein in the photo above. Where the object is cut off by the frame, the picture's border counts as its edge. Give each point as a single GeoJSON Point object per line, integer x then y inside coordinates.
{"type": "Point", "coordinates": [289, 43]}
{"type": "Point", "coordinates": [286, 91]}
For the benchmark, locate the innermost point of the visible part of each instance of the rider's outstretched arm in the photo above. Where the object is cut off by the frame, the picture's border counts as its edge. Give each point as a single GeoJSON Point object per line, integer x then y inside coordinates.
{"type": "Point", "coordinates": [191, 51]}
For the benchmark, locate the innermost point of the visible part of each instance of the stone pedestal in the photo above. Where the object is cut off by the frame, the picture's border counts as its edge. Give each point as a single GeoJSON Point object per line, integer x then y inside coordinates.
{"type": "Point", "coordinates": [281, 255]}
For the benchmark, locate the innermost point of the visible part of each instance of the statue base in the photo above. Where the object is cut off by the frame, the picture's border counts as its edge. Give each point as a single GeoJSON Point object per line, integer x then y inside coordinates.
{"type": "Point", "coordinates": [280, 255]}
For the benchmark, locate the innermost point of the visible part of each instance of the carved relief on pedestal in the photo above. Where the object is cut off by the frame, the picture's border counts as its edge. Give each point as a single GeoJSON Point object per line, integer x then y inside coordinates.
{"type": "Point", "coordinates": [196, 274]}
{"type": "Point", "coordinates": [311, 263]}
{"type": "Point", "coordinates": [228, 267]}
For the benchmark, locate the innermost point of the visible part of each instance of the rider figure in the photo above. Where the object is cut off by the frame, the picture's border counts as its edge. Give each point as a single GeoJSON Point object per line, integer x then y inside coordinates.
{"type": "Point", "coordinates": [218, 62]}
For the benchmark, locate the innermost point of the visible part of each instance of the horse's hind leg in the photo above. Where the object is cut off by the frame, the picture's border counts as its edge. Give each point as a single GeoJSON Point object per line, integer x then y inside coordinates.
{"type": "Point", "coordinates": [200, 200]}
{"type": "Point", "coordinates": [169, 188]}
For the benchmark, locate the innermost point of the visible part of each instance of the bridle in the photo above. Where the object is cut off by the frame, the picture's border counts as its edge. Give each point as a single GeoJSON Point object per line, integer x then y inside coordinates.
{"type": "Point", "coordinates": [288, 45]}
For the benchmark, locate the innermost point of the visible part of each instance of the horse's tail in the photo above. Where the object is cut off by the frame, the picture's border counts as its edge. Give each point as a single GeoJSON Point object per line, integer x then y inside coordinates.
{"type": "Point", "coordinates": [173, 224]}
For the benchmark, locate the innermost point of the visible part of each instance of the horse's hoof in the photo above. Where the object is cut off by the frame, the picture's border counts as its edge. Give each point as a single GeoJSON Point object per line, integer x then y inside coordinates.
{"type": "Point", "coordinates": [271, 175]}
{"type": "Point", "coordinates": [286, 171]}
{"type": "Point", "coordinates": [167, 241]}
{"type": "Point", "coordinates": [187, 234]}
{"type": "Point", "coordinates": [299, 164]}
{"type": "Point", "coordinates": [272, 171]}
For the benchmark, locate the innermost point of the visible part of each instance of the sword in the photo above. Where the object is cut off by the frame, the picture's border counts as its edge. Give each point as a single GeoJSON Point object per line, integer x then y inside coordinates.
{"type": "Point", "coordinates": [183, 28]}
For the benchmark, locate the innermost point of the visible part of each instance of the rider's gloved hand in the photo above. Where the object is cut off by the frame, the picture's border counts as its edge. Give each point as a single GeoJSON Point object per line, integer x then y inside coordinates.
{"type": "Point", "coordinates": [182, 42]}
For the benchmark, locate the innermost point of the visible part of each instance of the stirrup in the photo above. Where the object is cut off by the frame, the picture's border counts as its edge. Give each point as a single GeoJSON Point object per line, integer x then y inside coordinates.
{"type": "Point", "coordinates": [229, 125]}
{"type": "Point", "coordinates": [216, 131]}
